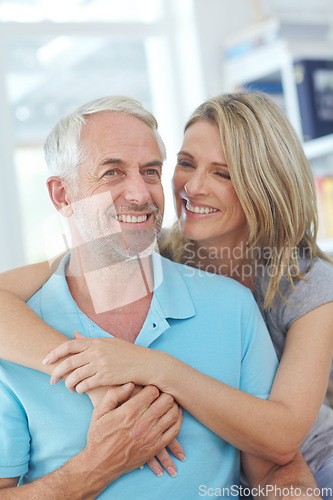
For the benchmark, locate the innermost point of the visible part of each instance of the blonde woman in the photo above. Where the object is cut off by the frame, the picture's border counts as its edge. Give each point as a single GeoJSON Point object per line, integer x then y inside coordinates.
{"type": "Point", "coordinates": [246, 208]}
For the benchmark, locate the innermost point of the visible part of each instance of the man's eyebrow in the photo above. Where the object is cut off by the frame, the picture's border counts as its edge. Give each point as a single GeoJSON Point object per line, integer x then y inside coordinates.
{"type": "Point", "coordinates": [112, 161]}
{"type": "Point", "coordinates": [118, 161]}
{"type": "Point", "coordinates": [154, 163]}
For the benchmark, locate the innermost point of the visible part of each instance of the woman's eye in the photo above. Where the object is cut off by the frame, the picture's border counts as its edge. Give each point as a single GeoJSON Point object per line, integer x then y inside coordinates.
{"type": "Point", "coordinates": [223, 175]}
{"type": "Point", "coordinates": [184, 163]}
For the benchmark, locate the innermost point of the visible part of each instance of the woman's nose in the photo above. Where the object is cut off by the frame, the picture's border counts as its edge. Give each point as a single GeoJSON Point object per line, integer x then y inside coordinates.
{"type": "Point", "coordinates": [196, 185]}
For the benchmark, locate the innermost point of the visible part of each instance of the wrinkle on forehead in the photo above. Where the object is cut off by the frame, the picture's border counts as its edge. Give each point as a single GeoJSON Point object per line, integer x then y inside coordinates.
{"type": "Point", "coordinates": [116, 137]}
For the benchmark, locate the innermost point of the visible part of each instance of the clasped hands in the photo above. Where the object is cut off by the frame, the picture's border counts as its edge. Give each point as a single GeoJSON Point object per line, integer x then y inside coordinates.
{"type": "Point", "coordinates": [92, 365]}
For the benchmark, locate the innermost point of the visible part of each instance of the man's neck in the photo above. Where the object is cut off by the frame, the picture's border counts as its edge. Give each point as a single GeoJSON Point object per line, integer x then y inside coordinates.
{"type": "Point", "coordinates": [117, 298]}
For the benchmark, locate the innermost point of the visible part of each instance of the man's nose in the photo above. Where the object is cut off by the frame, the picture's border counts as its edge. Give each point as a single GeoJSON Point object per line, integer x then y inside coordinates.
{"type": "Point", "coordinates": [196, 184]}
{"type": "Point", "coordinates": [136, 190]}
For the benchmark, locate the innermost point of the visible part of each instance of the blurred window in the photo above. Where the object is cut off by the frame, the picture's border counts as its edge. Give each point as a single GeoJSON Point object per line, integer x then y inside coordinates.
{"type": "Point", "coordinates": [54, 56]}
{"type": "Point", "coordinates": [79, 10]}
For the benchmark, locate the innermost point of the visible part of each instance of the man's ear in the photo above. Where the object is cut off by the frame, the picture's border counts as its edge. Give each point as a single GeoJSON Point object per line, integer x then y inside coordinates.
{"type": "Point", "coordinates": [61, 195]}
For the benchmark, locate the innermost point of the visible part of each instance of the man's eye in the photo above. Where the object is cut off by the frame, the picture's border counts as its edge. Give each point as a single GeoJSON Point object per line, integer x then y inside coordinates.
{"type": "Point", "coordinates": [152, 172]}
{"type": "Point", "coordinates": [112, 172]}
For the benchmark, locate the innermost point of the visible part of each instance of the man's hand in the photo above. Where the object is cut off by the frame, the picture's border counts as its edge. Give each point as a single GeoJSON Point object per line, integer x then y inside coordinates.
{"type": "Point", "coordinates": [123, 438]}
{"type": "Point", "coordinates": [163, 459]}
{"type": "Point", "coordinates": [97, 392]}
{"type": "Point", "coordinates": [120, 439]}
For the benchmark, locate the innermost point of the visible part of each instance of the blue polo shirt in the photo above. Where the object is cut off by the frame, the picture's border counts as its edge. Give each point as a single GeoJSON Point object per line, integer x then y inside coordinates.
{"type": "Point", "coordinates": [208, 321]}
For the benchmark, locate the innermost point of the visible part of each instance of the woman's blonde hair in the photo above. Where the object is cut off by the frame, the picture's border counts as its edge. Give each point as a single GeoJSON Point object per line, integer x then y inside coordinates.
{"type": "Point", "coordinates": [272, 179]}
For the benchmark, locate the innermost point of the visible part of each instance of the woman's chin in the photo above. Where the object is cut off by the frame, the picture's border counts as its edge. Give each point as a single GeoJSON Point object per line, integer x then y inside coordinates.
{"type": "Point", "coordinates": [191, 234]}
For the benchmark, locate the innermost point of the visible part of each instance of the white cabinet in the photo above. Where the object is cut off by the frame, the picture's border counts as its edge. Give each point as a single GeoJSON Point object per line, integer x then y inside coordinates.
{"type": "Point", "coordinates": [271, 61]}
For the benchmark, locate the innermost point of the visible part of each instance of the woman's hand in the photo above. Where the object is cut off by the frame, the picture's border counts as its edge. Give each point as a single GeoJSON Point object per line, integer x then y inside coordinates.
{"type": "Point", "coordinates": [166, 461]}
{"type": "Point", "coordinates": [96, 362]}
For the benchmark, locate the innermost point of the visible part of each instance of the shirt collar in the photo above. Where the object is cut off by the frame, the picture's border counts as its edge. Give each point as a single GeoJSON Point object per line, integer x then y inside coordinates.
{"type": "Point", "coordinates": [171, 292]}
{"type": "Point", "coordinates": [171, 295]}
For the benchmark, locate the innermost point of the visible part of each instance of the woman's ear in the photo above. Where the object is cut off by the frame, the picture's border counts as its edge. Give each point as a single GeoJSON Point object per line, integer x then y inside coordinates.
{"type": "Point", "coordinates": [61, 195]}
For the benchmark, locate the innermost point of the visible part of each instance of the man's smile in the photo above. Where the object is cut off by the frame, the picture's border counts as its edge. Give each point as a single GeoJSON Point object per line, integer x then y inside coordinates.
{"type": "Point", "coordinates": [131, 218]}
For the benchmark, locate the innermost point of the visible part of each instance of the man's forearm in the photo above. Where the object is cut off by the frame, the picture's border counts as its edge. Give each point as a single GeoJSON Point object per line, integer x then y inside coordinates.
{"type": "Point", "coordinates": [75, 480]}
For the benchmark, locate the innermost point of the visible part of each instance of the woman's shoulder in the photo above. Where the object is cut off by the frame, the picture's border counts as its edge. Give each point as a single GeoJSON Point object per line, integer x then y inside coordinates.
{"type": "Point", "coordinates": [318, 267]}
{"type": "Point", "coordinates": [318, 277]}
{"type": "Point", "coordinates": [306, 294]}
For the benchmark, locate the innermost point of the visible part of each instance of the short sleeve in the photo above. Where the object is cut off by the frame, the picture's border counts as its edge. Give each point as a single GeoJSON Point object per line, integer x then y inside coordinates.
{"type": "Point", "coordinates": [14, 436]}
{"type": "Point", "coordinates": [307, 295]}
{"type": "Point", "coordinates": [259, 361]}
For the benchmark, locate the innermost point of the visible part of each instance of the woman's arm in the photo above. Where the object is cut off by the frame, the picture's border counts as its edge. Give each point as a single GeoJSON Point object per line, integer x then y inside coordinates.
{"type": "Point", "coordinates": [272, 429]}
{"type": "Point", "coordinates": [25, 281]}
{"type": "Point", "coordinates": [302, 377]}
{"type": "Point", "coordinates": [284, 420]}
{"type": "Point", "coordinates": [24, 337]}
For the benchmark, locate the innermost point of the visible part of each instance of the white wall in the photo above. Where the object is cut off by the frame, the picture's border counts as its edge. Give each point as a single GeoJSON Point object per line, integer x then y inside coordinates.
{"type": "Point", "coordinates": [216, 20]}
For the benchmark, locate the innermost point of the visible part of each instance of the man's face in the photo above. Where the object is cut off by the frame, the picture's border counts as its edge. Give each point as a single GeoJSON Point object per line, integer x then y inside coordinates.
{"type": "Point", "coordinates": [119, 197]}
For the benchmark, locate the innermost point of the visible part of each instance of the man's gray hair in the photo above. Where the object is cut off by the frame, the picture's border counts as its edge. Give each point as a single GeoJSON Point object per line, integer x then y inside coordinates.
{"type": "Point", "coordinates": [63, 151]}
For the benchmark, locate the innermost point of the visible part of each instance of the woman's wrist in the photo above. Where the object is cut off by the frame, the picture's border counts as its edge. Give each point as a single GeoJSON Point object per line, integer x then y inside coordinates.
{"type": "Point", "coordinates": [164, 372]}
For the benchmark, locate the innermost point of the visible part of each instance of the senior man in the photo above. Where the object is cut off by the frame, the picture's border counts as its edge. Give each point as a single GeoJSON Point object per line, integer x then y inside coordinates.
{"type": "Point", "coordinates": [106, 162]}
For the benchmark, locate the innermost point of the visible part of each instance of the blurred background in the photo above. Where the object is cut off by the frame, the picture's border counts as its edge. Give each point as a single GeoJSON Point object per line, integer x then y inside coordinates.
{"type": "Point", "coordinates": [168, 54]}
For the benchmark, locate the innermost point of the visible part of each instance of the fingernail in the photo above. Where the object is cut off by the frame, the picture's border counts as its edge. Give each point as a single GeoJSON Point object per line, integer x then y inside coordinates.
{"type": "Point", "coordinates": [46, 361]}
{"type": "Point", "coordinates": [172, 471]}
{"type": "Point", "coordinates": [51, 381]}
{"type": "Point", "coordinates": [158, 471]}
{"type": "Point", "coordinates": [181, 457]}
{"type": "Point", "coordinates": [141, 467]}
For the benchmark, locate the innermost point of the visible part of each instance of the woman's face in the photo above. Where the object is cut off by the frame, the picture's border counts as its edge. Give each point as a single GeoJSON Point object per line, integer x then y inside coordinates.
{"type": "Point", "coordinates": [207, 206]}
